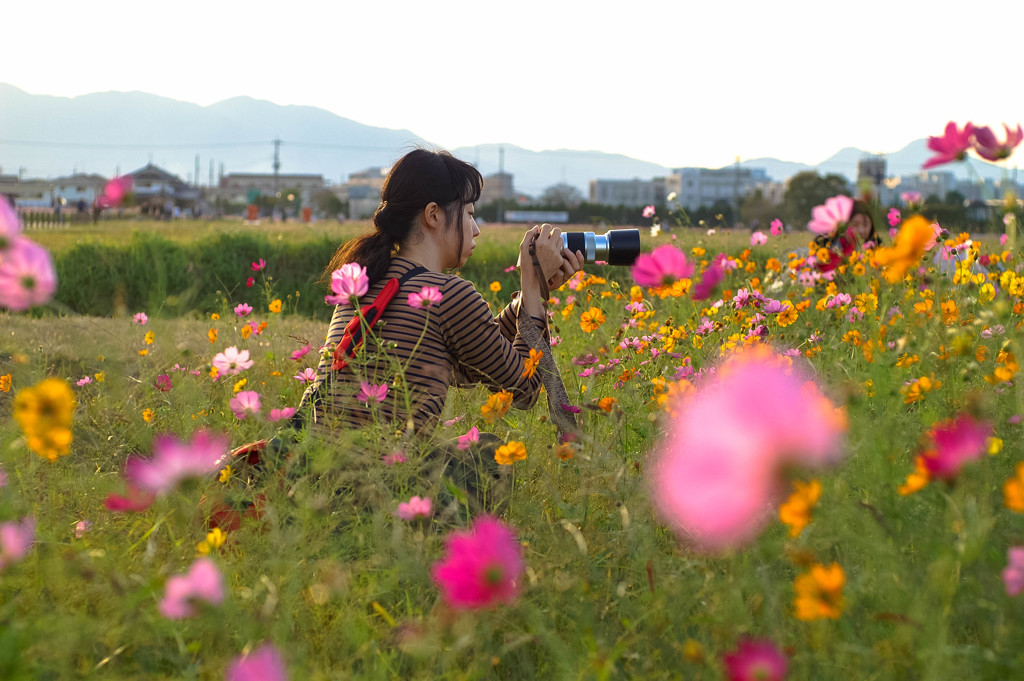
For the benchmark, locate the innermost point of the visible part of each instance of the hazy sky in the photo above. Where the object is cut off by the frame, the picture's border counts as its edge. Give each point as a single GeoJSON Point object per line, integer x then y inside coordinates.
{"type": "Point", "coordinates": [678, 83]}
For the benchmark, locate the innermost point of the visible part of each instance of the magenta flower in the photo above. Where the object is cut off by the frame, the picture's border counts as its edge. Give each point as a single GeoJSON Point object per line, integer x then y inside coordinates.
{"type": "Point", "coordinates": [81, 527]}
{"type": "Point", "coordinates": [281, 414]}
{"type": "Point", "coordinates": [231, 361]}
{"type": "Point", "coordinates": [15, 540]}
{"type": "Point", "coordinates": [661, 267]}
{"type": "Point", "coordinates": [307, 374]}
{"type": "Point", "coordinates": [718, 470]}
{"type": "Point", "coordinates": [758, 238]}
{"type": "Point", "coordinates": [140, 318]}
{"type": "Point", "coordinates": [956, 443]}
{"type": "Point", "coordinates": [114, 192]}
{"type": "Point", "coordinates": [648, 212]}
{"type": "Point", "coordinates": [246, 403]}
{"type": "Point", "coordinates": [713, 276]}
{"type": "Point", "coordinates": [1013, 573]}
{"type": "Point", "coordinates": [776, 227]}
{"type": "Point", "coordinates": [372, 392]}
{"type": "Point", "coordinates": [428, 295]}
{"type": "Point", "coordinates": [249, 282]}
{"type": "Point", "coordinates": [414, 508]}
{"type": "Point", "coordinates": [469, 439]}
{"type": "Point", "coordinates": [301, 352]}
{"type": "Point", "coordinates": [894, 217]}
{"type": "Point", "coordinates": [85, 380]}
{"type": "Point", "coordinates": [27, 276]}
{"type": "Point", "coordinates": [202, 583]}
{"type": "Point", "coordinates": [258, 265]}
{"type": "Point", "coordinates": [263, 664]}
{"type": "Point", "coordinates": [911, 197]}
{"type": "Point", "coordinates": [830, 217]}
{"type": "Point", "coordinates": [952, 146]}
{"type": "Point", "coordinates": [393, 458]}
{"type": "Point", "coordinates": [989, 148]}
{"type": "Point", "coordinates": [349, 281]}
{"type": "Point", "coordinates": [243, 309]}
{"type": "Point", "coordinates": [10, 227]}
{"type": "Point", "coordinates": [481, 567]}
{"type": "Point", "coordinates": [174, 460]}
{"type": "Point", "coordinates": [163, 383]}
{"type": "Point", "coordinates": [756, 660]}
{"type": "Point", "coordinates": [134, 500]}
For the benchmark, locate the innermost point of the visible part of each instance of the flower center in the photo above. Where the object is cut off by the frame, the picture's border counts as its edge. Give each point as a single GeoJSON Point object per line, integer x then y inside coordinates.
{"type": "Point", "coordinates": [28, 282]}
{"type": "Point", "coordinates": [493, 575]}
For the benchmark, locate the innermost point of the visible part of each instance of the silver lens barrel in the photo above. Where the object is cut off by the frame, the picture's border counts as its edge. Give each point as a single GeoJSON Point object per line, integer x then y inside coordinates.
{"type": "Point", "coordinates": [616, 247]}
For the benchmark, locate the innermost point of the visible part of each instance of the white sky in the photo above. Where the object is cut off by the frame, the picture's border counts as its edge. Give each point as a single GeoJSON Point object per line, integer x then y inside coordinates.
{"type": "Point", "coordinates": [678, 83]}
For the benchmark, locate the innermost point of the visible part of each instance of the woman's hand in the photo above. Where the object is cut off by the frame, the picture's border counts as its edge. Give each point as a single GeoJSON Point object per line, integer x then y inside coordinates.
{"type": "Point", "coordinates": [571, 264]}
{"type": "Point", "coordinates": [557, 264]}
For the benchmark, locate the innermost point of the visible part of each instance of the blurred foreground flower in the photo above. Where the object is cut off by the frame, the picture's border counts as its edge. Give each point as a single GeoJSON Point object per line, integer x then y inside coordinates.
{"type": "Point", "coordinates": [830, 217]}
{"type": "Point", "coordinates": [15, 540]}
{"type": "Point", "coordinates": [347, 282]}
{"type": "Point", "coordinates": [263, 664]}
{"type": "Point", "coordinates": [174, 461]}
{"type": "Point", "coordinates": [661, 267]}
{"type": "Point", "coordinates": [956, 443]}
{"type": "Point", "coordinates": [719, 469]}
{"type": "Point", "coordinates": [481, 567]}
{"type": "Point", "coordinates": [713, 276]}
{"type": "Point", "coordinates": [911, 243]}
{"type": "Point", "coordinates": [415, 508]}
{"type": "Point", "coordinates": [819, 593]}
{"type": "Point", "coordinates": [203, 582]}
{"type": "Point", "coordinates": [991, 149]}
{"type": "Point", "coordinates": [1013, 574]}
{"type": "Point", "coordinates": [44, 412]}
{"type": "Point", "coordinates": [246, 403]}
{"type": "Point", "coordinates": [756, 660]}
{"type": "Point", "coordinates": [27, 275]}
{"type": "Point", "coordinates": [951, 146]}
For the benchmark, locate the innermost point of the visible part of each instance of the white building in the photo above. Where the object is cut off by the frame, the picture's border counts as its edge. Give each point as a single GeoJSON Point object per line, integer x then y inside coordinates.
{"type": "Point", "coordinates": [705, 186]}
{"type": "Point", "coordinates": [633, 192]}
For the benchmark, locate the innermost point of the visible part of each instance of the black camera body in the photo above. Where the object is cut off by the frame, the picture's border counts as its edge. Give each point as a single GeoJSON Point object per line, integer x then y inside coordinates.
{"type": "Point", "coordinates": [616, 246]}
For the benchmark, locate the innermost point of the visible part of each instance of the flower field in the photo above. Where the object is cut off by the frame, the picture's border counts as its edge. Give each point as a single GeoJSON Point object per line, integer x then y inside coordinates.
{"type": "Point", "coordinates": [782, 470]}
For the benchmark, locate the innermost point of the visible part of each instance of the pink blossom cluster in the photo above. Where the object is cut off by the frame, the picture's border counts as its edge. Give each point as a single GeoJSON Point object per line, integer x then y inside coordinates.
{"type": "Point", "coordinates": [202, 583]}
{"type": "Point", "coordinates": [481, 567]}
{"type": "Point", "coordinates": [955, 142]}
{"type": "Point", "coordinates": [27, 274]}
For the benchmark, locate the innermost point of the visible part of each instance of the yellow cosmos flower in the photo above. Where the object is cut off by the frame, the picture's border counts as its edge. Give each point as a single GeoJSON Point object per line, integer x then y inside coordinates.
{"type": "Point", "coordinates": [508, 454]}
{"type": "Point", "coordinates": [43, 412]}
{"type": "Point", "coordinates": [5, 383]}
{"type": "Point", "coordinates": [495, 286]}
{"type": "Point", "coordinates": [225, 474]}
{"type": "Point", "coordinates": [914, 235]}
{"type": "Point", "coordinates": [1013, 490]}
{"type": "Point", "coordinates": [917, 480]}
{"type": "Point", "coordinates": [787, 316]}
{"type": "Point", "coordinates": [819, 593]}
{"type": "Point", "coordinates": [606, 404]}
{"type": "Point", "coordinates": [531, 362]}
{"type": "Point", "coordinates": [100, 376]}
{"type": "Point", "coordinates": [275, 305]}
{"type": "Point", "coordinates": [497, 406]}
{"type": "Point", "coordinates": [592, 319]}
{"type": "Point", "coordinates": [241, 384]}
{"type": "Point", "coordinates": [212, 335]}
{"type": "Point", "coordinates": [246, 331]}
{"type": "Point", "coordinates": [149, 337]}
{"type": "Point", "coordinates": [214, 540]}
{"type": "Point", "coordinates": [148, 415]}
{"type": "Point", "coordinates": [214, 316]}
{"type": "Point", "coordinates": [796, 511]}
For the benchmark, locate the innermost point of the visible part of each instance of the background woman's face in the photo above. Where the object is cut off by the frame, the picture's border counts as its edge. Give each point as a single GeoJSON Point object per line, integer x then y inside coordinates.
{"type": "Point", "coordinates": [860, 225]}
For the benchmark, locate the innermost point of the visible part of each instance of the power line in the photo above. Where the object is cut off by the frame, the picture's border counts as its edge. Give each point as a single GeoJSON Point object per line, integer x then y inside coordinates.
{"type": "Point", "coordinates": [103, 145]}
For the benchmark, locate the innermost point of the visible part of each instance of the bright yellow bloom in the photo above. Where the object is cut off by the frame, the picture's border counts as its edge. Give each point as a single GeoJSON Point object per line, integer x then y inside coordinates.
{"type": "Point", "coordinates": [214, 540]}
{"type": "Point", "coordinates": [144, 352]}
{"type": "Point", "coordinates": [100, 376]}
{"type": "Point", "coordinates": [212, 335]}
{"type": "Point", "coordinates": [238, 386]}
{"type": "Point", "coordinates": [508, 454]}
{"type": "Point", "coordinates": [531, 362]}
{"type": "Point", "coordinates": [1013, 490]}
{"type": "Point", "coordinates": [245, 331]}
{"type": "Point", "coordinates": [819, 593]}
{"type": "Point", "coordinates": [5, 383]}
{"type": "Point", "coordinates": [495, 286]}
{"type": "Point", "coordinates": [606, 404]}
{"type": "Point", "coordinates": [149, 337]}
{"type": "Point", "coordinates": [787, 316]}
{"type": "Point", "coordinates": [994, 445]}
{"type": "Point", "coordinates": [44, 413]}
{"type": "Point", "coordinates": [917, 388]}
{"type": "Point", "coordinates": [907, 359]}
{"type": "Point", "coordinates": [214, 316]}
{"type": "Point", "coordinates": [915, 233]}
{"type": "Point", "coordinates": [497, 406]}
{"type": "Point", "coordinates": [565, 451]}
{"type": "Point", "coordinates": [148, 415]}
{"type": "Point", "coordinates": [225, 474]}
{"type": "Point", "coordinates": [796, 511]}
{"type": "Point", "coordinates": [592, 319]}
{"type": "Point", "coordinates": [917, 480]}
{"type": "Point", "coordinates": [275, 305]}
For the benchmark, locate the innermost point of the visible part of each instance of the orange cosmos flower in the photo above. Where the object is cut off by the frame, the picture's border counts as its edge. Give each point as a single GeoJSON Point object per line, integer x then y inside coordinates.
{"type": "Point", "coordinates": [508, 454]}
{"type": "Point", "coordinates": [796, 511]}
{"type": "Point", "coordinates": [819, 593]}
{"type": "Point", "coordinates": [531, 362]}
{"type": "Point", "coordinates": [911, 243]}
{"type": "Point", "coordinates": [592, 319]}
{"type": "Point", "coordinates": [497, 406]}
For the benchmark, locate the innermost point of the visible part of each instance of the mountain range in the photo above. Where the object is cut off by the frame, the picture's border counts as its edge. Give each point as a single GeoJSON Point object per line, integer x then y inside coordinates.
{"type": "Point", "coordinates": [111, 132]}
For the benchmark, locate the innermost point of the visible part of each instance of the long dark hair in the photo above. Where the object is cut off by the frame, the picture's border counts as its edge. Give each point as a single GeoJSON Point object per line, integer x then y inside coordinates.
{"type": "Point", "coordinates": [417, 179]}
{"type": "Point", "coordinates": [859, 208]}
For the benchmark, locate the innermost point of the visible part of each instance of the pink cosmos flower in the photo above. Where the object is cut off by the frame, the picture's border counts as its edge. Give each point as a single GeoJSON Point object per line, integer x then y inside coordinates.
{"type": "Point", "coordinates": [301, 352]}
{"type": "Point", "coordinates": [174, 460]}
{"type": "Point", "coordinates": [393, 458]}
{"type": "Point", "coordinates": [15, 540]}
{"type": "Point", "coordinates": [231, 361]}
{"type": "Point", "coordinates": [481, 567]}
{"type": "Point", "coordinates": [758, 239]}
{"type": "Point", "coordinates": [246, 403]}
{"type": "Point", "coordinates": [830, 217]}
{"type": "Point", "coordinates": [428, 295]}
{"type": "Point", "coordinates": [893, 232]}
{"type": "Point", "coordinates": [952, 146]}
{"type": "Point", "coordinates": [27, 275]}
{"type": "Point", "coordinates": [307, 374]}
{"type": "Point", "coordinates": [662, 266]}
{"type": "Point", "coordinates": [469, 439]}
{"type": "Point", "coordinates": [3, 478]}
{"type": "Point", "coordinates": [776, 227]}
{"type": "Point", "coordinates": [956, 443]}
{"type": "Point", "coordinates": [243, 309]}
{"type": "Point", "coordinates": [281, 414]}
{"type": "Point", "coordinates": [140, 318]}
{"type": "Point", "coordinates": [453, 421]}
{"type": "Point", "coordinates": [713, 276]}
{"type": "Point", "coordinates": [648, 212]}
{"type": "Point", "coordinates": [249, 282]}
{"type": "Point", "coordinates": [258, 265]}
{"type": "Point", "coordinates": [894, 217]}
{"type": "Point", "coordinates": [756, 660]}
{"type": "Point", "coordinates": [163, 383]}
{"type": "Point", "coordinates": [349, 281]}
{"type": "Point", "coordinates": [10, 227]}
{"type": "Point", "coordinates": [717, 472]}
{"type": "Point", "coordinates": [134, 500]}
{"type": "Point", "coordinates": [911, 197]}
{"type": "Point", "coordinates": [989, 148]}
{"type": "Point", "coordinates": [1003, 239]}
{"type": "Point", "coordinates": [81, 527]}
{"type": "Point", "coordinates": [203, 582]}
{"type": "Point", "coordinates": [263, 664]}
{"type": "Point", "coordinates": [372, 392]}
{"type": "Point", "coordinates": [414, 508]}
{"type": "Point", "coordinates": [114, 192]}
{"type": "Point", "coordinates": [1013, 573]}
{"type": "Point", "coordinates": [85, 380]}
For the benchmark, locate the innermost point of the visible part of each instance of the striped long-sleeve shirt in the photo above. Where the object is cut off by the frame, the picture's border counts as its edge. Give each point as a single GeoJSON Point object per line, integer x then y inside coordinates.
{"type": "Point", "coordinates": [458, 342]}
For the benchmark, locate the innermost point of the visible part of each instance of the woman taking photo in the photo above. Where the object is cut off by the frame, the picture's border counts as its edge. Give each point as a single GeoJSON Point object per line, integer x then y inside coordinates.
{"type": "Point", "coordinates": [423, 226]}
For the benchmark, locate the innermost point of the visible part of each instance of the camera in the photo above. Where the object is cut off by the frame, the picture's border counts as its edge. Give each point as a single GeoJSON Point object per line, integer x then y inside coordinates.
{"type": "Point", "coordinates": [616, 246]}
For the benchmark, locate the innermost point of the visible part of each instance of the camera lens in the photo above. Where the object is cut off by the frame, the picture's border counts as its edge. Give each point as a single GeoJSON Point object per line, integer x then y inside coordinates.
{"type": "Point", "coordinates": [616, 246]}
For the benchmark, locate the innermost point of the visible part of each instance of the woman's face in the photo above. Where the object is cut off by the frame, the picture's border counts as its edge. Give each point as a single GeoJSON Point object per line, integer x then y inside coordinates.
{"type": "Point", "coordinates": [860, 226]}
{"type": "Point", "coordinates": [470, 231]}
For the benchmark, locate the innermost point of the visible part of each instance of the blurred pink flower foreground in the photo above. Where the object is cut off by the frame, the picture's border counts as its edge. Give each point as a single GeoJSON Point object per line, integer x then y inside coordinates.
{"type": "Point", "coordinates": [202, 582]}
{"type": "Point", "coordinates": [661, 267]}
{"type": "Point", "coordinates": [15, 540]}
{"type": "Point", "coordinates": [414, 508]}
{"type": "Point", "coordinates": [828, 218]}
{"type": "Point", "coordinates": [263, 664]}
{"type": "Point", "coordinates": [756, 661]}
{"type": "Point", "coordinates": [174, 461]}
{"type": "Point", "coordinates": [27, 275]}
{"type": "Point", "coordinates": [718, 471]}
{"type": "Point", "coordinates": [348, 281]}
{"type": "Point", "coordinates": [482, 566]}
{"type": "Point", "coordinates": [956, 443]}
{"type": "Point", "coordinates": [1013, 574]}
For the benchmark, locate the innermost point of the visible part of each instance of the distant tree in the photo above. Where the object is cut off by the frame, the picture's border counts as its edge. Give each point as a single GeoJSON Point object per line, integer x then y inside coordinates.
{"type": "Point", "coordinates": [561, 195]}
{"type": "Point", "coordinates": [807, 190]}
{"type": "Point", "coordinates": [756, 207]}
{"type": "Point", "coordinates": [327, 203]}
{"type": "Point", "coordinates": [954, 198]}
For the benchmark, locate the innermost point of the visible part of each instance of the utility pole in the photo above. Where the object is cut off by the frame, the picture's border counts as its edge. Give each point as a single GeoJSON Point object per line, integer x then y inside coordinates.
{"type": "Point", "coordinates": [277, 167]}
{"type": "Point", "coordinates": [196, 176]}
{"type": "Point", "coordinates": [736, 194]}
{"type": "Point", "coordinates": [211, 172]}
{"type": "Point", "coordinates": [501, 194]}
